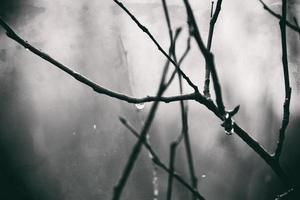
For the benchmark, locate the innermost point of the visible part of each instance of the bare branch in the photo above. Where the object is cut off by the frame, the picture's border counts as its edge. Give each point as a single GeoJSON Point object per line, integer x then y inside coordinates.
{"type": "Point", "coordinates": [212, 23]}
{"type": "Point", "coordinates": [288, 89]}
{"type": "Point", "coordinates": [289, 24]}
{"type": "Point", "coordinates": [209, 58]}
{"type": "Point", "coordinates": [171, 167]}
{"type": "Point", "coordinates": [187, 144]}
{"type": "Point", "coordinates": [97, 88]}
{"type": "Point", "coordinates": [158, 162]}
{"type": "Point", "coordinates": [218, 110]}
{"type": "Point", "coordinates": [144, 29]}
{"type": "Point", "coordinates": [297, 25]}
{"type": "Point", "coordinates": [166, 11]}
{"type": "Point", "coordinates": [173, 148]}
{"type": "Point", "coordinates": [184, 119]}
{"type": "Point", "coordinates": [185, 53]}
{"type": "Point", "coordinates": [118, 189]}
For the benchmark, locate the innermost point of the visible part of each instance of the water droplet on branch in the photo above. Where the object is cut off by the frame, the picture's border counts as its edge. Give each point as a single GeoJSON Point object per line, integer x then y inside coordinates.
{"type": "Point", "coordinates": [140, 106]}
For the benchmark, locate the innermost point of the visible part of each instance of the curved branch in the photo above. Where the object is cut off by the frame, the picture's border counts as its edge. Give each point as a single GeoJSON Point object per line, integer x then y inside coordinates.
{"type": "Point", "coordinates": [97, 88]}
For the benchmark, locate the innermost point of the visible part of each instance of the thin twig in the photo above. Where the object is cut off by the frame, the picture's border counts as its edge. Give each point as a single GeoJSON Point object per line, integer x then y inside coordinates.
{"type": "Point", "coordinates": [185, 53]}
{"type": "Point", "coordinates": [187, 144]}
{"type": "Point", "coordinates": [158, 162]}
{"type": "Point", "coordinates": [185, 133]}
{"type": "Point", "coordinates": [167, 16]}
{"type": "Point", "coordinates": [213, 20]}
{"type": "Point", "coordinates": [184, 118]}
{"type": "Point", "coordinates": [278, 16]}
{"type": "Point", "coordinates": [208, 56]}
{"type": "Point", "coordinates": [297, 25]}
{"type": "Point", "coordinates": [171, 167]}
{"type": "Point", "coordinates": [183, 115]}
{"type": "Point", "coordinates": [97, 88]}
{"type": "Point", "coordinates": [288, 89]}
{"type": "Point", "coordinates": [118, 189]}
{"type": "Point", "coordinates": [144, 29]}
{"type": "Point", "coordinates": [173, 148]}
{"type": "Point", "coordinates": [207, 70]}
{"type": "Point", "coordinates": [172, 53]}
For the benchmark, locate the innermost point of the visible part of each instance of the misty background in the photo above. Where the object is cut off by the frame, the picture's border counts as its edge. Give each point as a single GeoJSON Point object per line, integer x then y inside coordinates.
{"type": "Point", "coordinates": [61, 140]}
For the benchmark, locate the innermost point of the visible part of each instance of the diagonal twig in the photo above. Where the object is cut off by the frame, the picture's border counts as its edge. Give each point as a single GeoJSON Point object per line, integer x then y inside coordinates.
{"type": "Point", "coordinates": [278, 16]}
{"type": "Point", "coordinates": [118, 189]}
{"type": "Point", "coordinates": [144, 29]}
{"type": "Point", "coordinates": [158, 162]}
{"type": "Point", "coordinates": [184, 117]}
{"type": "Point", "coordinates": [181, 59]}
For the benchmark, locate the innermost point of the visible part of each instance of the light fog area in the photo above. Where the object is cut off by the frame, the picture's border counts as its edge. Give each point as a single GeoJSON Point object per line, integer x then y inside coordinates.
{"type": "Point", "coordinates": [60, 140]}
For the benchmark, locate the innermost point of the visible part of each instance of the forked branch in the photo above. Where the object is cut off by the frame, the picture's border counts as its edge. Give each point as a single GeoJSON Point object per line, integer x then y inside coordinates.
{"type": "Point", "coordinates": [278, 16]}
{"type": "Point", "coordinates": [159, 163]}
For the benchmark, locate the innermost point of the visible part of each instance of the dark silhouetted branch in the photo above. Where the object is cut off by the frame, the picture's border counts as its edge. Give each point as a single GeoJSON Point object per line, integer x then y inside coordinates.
{"type": "Point", "coordinates": [208, 56]}
{"type": "Point", "coordinates": [218, 109]}
{"type": "Point", "coordinates": [145, 30]}
{"type": "Point", "coordinates": [184, 117]}
{"type": "Point", "coordinates": [167, 16]}
{"type": "Point", "coordinates": [297, 25]}
{"type": "Point", "coordinates": [118, 189]}
{"type": "Point", "coordinates": [288, 89]}
{"type": "Point", "coordinates": [173, 148]}
{"type": "Point", "coordinates": [97, 88]}
{"type": "Point", "coordinates": [171, 168]}
{"type": "Point", "coordinates": [212, 23]}
{"type": "Point", "coordinates": [187, 144]}
{"type": "Point", "coordinates": [181, 59]}
{"type": "Point", "coordinates": [158, 162]}
{"type": "Point", "coordinates": [289, 24]}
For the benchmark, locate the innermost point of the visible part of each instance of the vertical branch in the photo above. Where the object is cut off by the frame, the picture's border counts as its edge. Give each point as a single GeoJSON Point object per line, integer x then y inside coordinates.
{"type": "Point", "coordinates": [167, 16]}
{"type": "Point", "coordinates": [118, 189]}
{"type": "Point", "coordinates": [213, 20]}
{"type": "Point", "coordinates": [207, 70]}
{"type": "Point", "coordinates": [208, 56]}
{"type": "Point", "coordinates": [173, 148]}
{"type": "Point", "coordinates": [158, 162]}
{"type": "Point", "coordinates": [296, 24]}
{"type": "Point", "coordinates": [173, 145]}
{"type": "Point", "coordinates": [184, 117]}
{"type": "Point", "coordinates": [188, 147]}
{"type": "Point", "coordinates": [288, 89]}
{"type": "Point", "coordinates": [181, 59]}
